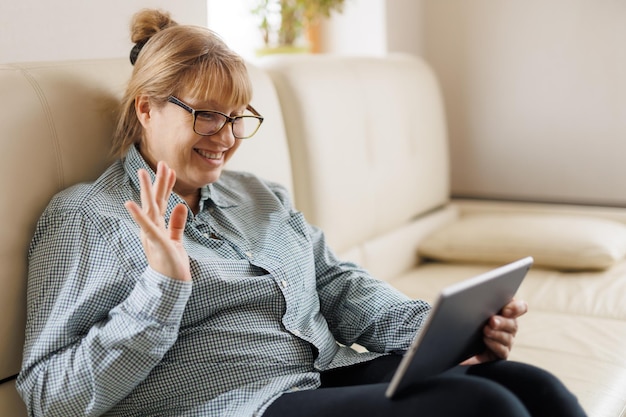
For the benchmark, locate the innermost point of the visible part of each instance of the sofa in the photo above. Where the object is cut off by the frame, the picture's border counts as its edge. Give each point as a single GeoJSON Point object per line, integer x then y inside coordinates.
{"type": "Point", "coordinates": [361, 143]}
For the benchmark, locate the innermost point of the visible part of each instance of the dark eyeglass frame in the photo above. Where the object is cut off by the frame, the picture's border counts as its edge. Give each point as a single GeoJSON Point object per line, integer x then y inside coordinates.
{"type": "Point", "coordinates": [228, 119]}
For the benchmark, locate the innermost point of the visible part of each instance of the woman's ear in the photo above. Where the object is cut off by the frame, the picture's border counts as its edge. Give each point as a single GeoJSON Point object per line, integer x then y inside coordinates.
{"type": "Point", "coordinates": [142, 109]}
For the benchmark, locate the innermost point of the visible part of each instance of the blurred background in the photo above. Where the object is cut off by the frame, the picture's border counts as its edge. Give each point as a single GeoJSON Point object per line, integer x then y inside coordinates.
{"type": "Point", "coordinates": [535, 90]}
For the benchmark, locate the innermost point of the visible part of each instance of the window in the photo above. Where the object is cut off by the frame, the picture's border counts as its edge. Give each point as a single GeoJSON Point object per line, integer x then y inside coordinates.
{"type": "Point", "coordinates": [234, 21]}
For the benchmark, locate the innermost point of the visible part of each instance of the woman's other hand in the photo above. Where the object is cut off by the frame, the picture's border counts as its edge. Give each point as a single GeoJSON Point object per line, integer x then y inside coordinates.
{"type": "Point", "coordinates": [163, 244]}
{"type": "Point", "coordinates": [499, 333]}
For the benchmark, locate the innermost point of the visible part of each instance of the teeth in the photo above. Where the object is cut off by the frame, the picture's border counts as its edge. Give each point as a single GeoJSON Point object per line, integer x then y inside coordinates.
{"type": "Point", "coordinates": [209, 155]}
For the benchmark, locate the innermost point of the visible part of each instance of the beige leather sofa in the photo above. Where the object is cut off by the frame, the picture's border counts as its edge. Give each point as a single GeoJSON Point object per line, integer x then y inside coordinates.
{"type": "Point", "coordinates": [361, 143]}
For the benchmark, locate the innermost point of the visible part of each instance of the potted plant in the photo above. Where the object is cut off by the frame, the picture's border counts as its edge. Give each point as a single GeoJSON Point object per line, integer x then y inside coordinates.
{"type": "Point", "coordinates": [282, 22]}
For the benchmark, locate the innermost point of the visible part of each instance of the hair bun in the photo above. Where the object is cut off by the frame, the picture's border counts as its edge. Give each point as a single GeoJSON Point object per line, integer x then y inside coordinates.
{"type": "Point", "coordinates": [144, 25]}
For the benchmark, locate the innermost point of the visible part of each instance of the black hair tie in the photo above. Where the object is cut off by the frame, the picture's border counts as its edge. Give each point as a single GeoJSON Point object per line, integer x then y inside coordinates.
{"type": "Point", "coordinates": [134, 53]}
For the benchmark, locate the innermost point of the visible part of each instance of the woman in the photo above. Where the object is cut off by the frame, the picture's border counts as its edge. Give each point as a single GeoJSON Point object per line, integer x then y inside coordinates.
{"type": "Point", "coordinates": [170, 288]}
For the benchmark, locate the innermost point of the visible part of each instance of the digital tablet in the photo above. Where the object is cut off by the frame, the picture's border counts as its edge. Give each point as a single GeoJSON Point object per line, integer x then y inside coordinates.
{"type": "Point", "coordinates": [453, 332]}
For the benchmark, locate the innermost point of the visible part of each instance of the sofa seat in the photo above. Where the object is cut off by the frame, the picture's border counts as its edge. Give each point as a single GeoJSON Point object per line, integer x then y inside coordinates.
{"type": "Point", "coordinates": [575, 327]}
{"type": "Point", "coordinates": [597, 294]}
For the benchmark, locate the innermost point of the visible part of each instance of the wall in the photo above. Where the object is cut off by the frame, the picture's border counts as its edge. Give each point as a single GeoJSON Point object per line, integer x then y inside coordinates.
{"type": "Point", "coordinates": [536, 96]}
{"type": "Point", "coordinates": [404, 26]}
{"type": "Point", "coordinates": [535, 90]}
{"type": "Point", "coordinates": [234, 21]}
{"type": "Point", "coordinates": [35, 30]}
{"type": "Point", "coordinates": [359, 30]}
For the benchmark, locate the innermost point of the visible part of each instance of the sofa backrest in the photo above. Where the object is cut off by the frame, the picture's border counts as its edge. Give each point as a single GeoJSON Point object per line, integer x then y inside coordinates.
{"type": "Point", "coordinates": [368, 141]}
{"type": "Point", "coordinates": [57, 120]}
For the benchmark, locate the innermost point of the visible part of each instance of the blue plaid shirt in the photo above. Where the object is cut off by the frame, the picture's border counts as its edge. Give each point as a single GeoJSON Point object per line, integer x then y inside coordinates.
{"type": "Point", "coordinates": [270, 305]}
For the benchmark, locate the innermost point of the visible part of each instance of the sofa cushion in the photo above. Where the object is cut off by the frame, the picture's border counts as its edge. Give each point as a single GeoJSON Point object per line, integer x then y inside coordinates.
{"type": "Point", "coordinates": [11, 404]}
{"type": "Point", "coordinates": [560, 242]}
{"type": "Point", "coordinates": [367, 137]}
{"type": "Point", "coordinates": [568, 347]}
{"type": "Point", "coordinates": [573, 294]}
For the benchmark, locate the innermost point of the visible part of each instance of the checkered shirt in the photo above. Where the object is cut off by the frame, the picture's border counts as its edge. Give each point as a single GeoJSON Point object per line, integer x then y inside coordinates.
{"type": "Point", "coordinates": [270, 305]}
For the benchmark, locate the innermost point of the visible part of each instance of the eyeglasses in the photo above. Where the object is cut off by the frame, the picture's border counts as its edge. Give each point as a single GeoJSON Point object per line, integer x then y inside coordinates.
{"type": "Point", "coordinates": [209, 122]}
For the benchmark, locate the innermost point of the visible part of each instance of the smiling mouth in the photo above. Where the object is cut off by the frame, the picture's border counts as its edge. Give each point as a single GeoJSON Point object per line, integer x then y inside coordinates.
{"type": "Point", "coordinates": [209, 155]}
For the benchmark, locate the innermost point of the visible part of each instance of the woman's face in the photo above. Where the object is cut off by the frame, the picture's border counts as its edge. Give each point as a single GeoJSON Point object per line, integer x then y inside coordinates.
{"type": "Point", "coordinates": [169, 136]}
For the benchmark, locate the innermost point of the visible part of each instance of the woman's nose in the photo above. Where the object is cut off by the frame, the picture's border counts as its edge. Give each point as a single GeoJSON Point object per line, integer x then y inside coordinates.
{"type": "Point", "coordinates": [225, 135]}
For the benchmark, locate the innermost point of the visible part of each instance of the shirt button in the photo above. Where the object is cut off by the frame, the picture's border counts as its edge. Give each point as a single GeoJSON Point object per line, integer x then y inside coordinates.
{"type": "Point", "coordinates": [283, 283]}
{"type": "Point", "coordinates": [206, 235]}
{"type": "Point", "coordinates": [249, 255]}
{"type": "Point", "coordinates": [297, 333]}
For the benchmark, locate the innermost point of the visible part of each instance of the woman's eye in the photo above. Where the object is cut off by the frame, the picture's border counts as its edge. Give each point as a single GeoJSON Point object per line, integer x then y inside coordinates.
{"type": "Point", "coordinates": [207, 117]}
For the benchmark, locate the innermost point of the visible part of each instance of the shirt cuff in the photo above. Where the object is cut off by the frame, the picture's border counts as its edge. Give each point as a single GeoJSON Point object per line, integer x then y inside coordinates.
{"type": "Point", "coordinates": [159, 298]}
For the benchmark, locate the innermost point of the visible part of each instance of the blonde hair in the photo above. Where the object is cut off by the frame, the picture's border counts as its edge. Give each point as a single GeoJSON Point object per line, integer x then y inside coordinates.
{"type": "Point", "coordinates": [177, 60]}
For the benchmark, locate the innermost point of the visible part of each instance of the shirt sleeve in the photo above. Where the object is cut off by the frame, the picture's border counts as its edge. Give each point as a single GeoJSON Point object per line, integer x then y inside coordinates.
{"type": "Point", "coordinates": [94, 331]}
{"type": "Point", "coordinates": [362, 309]}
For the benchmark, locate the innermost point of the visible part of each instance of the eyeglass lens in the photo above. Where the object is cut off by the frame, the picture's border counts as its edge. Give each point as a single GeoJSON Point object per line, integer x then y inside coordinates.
{"type": "Point", "coordinates": [209, 123]}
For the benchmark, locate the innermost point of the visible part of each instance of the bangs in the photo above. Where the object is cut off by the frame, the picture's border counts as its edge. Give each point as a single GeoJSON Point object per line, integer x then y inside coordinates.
{"type": "Point", "coordinates": [220, 80]}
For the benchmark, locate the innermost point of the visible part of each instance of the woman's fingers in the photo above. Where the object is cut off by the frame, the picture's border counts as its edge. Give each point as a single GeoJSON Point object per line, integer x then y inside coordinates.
{"type": "Point", "coordinates": [148, 199]}
{"type": "Point", "coordinates": [515, 308]}
{"type": "Point", "coordinates": [500, 325]}
{"type": "Point", "coordinates": [500, 340]}
{"type": "Point", "coordinates": [163, 185]}
{"type": "Point", "coordinates": [145, 222]}
{"type": "Point", "coordinates": [155, 196]}
{"type": "Point", "coordinates": [178, 219]}
{"type": "Point", "coordinates": [501, 330]}
{"type": "Point", "coordinates": [499, 333]}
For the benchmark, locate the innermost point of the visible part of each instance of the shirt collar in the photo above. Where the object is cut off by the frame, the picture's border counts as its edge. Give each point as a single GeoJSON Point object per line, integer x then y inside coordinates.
{"type": "Point", "coordinates": [217, 193]}
{"type": "Point", "coordinates": [133, 161]}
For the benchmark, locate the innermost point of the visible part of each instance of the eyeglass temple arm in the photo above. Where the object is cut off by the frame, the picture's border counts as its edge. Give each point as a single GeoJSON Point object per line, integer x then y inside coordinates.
{"type": "Point", "coordinates": [254, 112]}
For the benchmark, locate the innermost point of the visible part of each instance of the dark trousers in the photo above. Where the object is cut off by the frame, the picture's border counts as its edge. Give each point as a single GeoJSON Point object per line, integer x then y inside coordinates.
{"type": "Point", "coordinates": [495, 389]}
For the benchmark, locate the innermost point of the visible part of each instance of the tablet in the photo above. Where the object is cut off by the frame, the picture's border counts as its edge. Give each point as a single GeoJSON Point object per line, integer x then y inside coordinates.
{"type": "Point", "coordinates": [453, 332]}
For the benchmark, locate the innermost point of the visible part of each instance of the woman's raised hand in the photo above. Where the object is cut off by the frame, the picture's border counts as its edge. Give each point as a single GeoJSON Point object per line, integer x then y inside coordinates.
{"type": "Point", "coordinates": [163, 244]}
